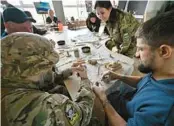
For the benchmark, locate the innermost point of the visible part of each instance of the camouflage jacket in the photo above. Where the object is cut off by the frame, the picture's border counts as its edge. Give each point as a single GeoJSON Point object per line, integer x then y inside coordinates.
{"type": "Point", "coordinates": [28, 103]}
{"type": "Point", "coordinates": [31, 107]}
{"type": "Point", "coordinates": [122, 27]}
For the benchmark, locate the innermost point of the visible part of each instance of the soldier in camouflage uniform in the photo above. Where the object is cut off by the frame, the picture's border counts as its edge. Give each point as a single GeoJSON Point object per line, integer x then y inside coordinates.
{"type": "Point", "coordinates": [26, 59]}
{"type": "Point", "coordinates": [121, 26]}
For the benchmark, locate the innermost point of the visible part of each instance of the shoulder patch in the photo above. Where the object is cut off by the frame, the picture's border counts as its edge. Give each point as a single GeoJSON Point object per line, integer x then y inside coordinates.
{"type": "Point", "coordinates": [71, 113]}
{"type": "Point", "coordinates": [126, 37]}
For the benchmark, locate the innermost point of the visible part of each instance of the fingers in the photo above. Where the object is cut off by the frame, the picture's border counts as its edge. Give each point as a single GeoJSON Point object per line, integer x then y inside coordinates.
{"type": "Point", "coordinates": [105, 75]}
{"type": "Point", "coordinates": [98, 88]}
{"type": "Point", "coordinates": [95, 88]}
{"type": "Point", "coordinates": [78, 62]}
{"type": "Point", "coordinates": [96, 85]}
{"type": "Point", "coordinates": [111, 75]}
{"type": "Point", "coordinates": [78, 68]}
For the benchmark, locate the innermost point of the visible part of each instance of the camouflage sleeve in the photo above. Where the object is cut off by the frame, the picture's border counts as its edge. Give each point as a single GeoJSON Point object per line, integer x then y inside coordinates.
{"type": "Point", "coordinates": [71, 113]}
{"type": "Point", "coordinates": [76, 113]}
{"type": "Point", "coordinates": [60, 111]}
{"type": "Point", "coordinates": [33, 107]}
{"type": "Point", "coordinates": [110, 43]}
{"type": "Point", "coordinates": [85, 100]}
{"type": "Point", "coordinates": [114, 36]}
{"type": "Point", "coordinates": [128, 27]}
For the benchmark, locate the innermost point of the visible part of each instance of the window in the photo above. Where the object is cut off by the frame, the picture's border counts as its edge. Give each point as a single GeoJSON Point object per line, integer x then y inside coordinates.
{"type": "Point", "coordinates": [1, 8]}
{"type": "Point", "coordinates": [14, 2]}
{"type": "Point", "coordinates": [75, 8]}
{"type": "Point", "coordinates": [82, 11]}
{"type": "Point", "coordinates": [70, 11]}
{"type": "Point", "coordinates": [38, 17]}
{"type": "Point", "coordinates": [69, 2]}
{"type": "Point", "coordinates": [29, 1]}
{"type": "Point", "coordinates": [28, 5]}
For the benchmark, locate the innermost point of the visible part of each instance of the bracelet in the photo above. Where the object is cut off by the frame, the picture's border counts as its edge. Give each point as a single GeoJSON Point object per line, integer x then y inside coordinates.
{"type": "Point", "coordinates": [105, 103]}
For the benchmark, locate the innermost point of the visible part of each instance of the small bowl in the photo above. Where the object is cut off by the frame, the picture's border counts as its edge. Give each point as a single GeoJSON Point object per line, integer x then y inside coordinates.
{"type": "Point", "coordinates": [61, 42]}
{"type": "Point", "coordinates": [73, 40]}
{"type": "Point", "coordinates": [86, 49]}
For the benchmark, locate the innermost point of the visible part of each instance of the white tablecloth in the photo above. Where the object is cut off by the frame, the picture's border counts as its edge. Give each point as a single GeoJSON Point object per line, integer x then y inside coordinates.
{"type": "Point", "coordinates": [96, 53]}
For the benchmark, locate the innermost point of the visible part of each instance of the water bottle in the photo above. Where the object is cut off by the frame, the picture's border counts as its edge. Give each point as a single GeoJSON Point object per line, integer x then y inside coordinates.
{"type": "Point", "coordinates": [60, 26]}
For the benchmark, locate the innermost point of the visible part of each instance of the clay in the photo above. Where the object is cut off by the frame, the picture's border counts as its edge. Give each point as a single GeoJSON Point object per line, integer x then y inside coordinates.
{"type": "Point", "coordinates": [113, 66]}
{"type": "Point", "coordinates": [92, 62]}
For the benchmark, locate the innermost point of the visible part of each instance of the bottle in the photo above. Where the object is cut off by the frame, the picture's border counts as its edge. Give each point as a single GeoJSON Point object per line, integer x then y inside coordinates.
{"type": "Point", "coordinates": [60, 26]}
{"type": "Point", "coordinates": [76, 53]}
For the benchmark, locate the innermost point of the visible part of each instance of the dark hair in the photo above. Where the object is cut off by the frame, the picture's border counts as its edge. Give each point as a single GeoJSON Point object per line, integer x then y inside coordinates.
{"type": "Point", "coordinates": [113, 15]}
{"type": "Point", "coordinates": [92, 14]}
{"type": "Point", "coordinates": [158, 30]}
{"type": "Point", "coordinates": [72, 18]}
{"type": "Point", "coordinates": [104, 4]}
{"type": "Point", "coordinates": [89, 24]}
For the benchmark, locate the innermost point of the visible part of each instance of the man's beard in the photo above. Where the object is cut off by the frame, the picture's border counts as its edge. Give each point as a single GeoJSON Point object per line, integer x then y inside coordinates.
{"type": "Point", "coordinates": [148, 68]}
{"type": "Point", "coordinates": [144, 69]}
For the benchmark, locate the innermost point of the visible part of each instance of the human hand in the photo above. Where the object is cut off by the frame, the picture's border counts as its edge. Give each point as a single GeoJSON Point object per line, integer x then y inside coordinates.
{"type": "Point", "coordinates": [109, 76]}
{"type": "Point", "coordinates": [80, 69]}
{"type": "Point", "coordinates": [115, 49]}
{"type": "Point", "coordinates": [77, 63]}
{"type": "Point", "coordinates": [99, 91]}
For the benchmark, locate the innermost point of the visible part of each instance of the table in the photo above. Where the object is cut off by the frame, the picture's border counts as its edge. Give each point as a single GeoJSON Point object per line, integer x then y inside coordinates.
{"type": "Point", "coordinates": [73, 82]}
{"type": "Point", "coordinates": [102, 53]}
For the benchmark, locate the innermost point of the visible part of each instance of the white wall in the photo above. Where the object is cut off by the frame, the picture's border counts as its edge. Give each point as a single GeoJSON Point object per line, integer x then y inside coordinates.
{"type": "Point", "coordinates": [58, 8]}
{"type": "Point", "coordinates": [152, 8]}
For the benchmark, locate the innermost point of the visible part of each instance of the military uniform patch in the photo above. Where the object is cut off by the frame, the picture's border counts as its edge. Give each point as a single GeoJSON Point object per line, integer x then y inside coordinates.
{"type": "Point", "coordinates": [71, 113]}
{"type": "Point", "coordinates": [126, 36]}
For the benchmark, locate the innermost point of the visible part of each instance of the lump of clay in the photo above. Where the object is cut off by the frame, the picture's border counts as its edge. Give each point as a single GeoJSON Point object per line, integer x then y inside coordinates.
{"type": "Point", "coordinates": [92, 62]}
{"type": "Point", "coordinates": [113, 66]}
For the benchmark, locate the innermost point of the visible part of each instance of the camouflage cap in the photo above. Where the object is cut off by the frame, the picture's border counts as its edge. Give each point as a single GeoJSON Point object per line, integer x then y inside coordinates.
{"type": "Point", "coordinates": [25, 54]}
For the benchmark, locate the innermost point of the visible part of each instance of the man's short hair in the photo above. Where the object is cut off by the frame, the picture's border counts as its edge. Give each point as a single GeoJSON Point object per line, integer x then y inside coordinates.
{"type": "Point", "coordinates": [158, 30]}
